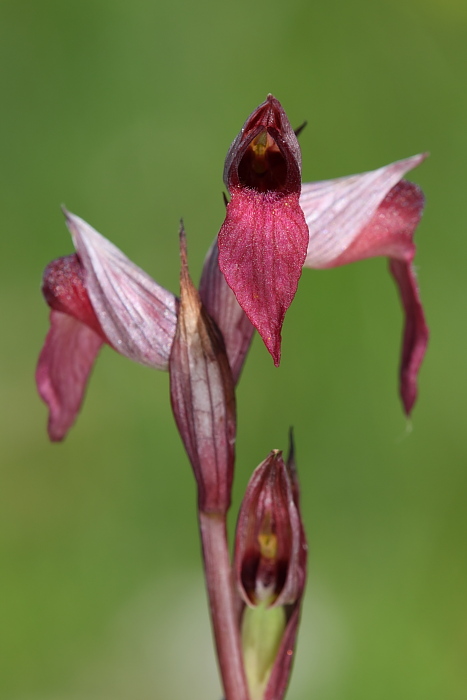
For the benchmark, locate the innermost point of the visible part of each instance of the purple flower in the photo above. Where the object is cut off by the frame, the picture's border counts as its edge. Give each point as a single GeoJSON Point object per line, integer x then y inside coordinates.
{"type": "Point", "coordinates": [264, 238]}
{"type": "Point", "coordinates": [99, 296]}
{"type": "Point", "coordinates": [274, 226]}
{"type": "Point", "coordinates": [270, 572]}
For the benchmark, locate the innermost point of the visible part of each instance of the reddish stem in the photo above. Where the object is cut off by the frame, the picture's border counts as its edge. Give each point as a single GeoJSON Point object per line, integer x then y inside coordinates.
{"type": "Point", "coordinates": [222, 604]}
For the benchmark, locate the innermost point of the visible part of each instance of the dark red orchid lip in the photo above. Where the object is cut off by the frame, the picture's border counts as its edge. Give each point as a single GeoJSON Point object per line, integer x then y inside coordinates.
{"type": "Point", "coordinates": [268, 116]}
{"type": "Point", "coordinates": [264, 238]}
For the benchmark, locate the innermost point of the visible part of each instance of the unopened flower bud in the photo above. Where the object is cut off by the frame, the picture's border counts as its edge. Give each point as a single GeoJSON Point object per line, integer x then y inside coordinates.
{"type": "Point", "coordinates": [270, 570]}
{"type": "Point", "coordinates": [202, 396]}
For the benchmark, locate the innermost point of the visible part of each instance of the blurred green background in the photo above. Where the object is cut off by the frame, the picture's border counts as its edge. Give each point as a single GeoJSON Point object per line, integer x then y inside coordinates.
{"type": "Point", "coordinates": [124, 112]}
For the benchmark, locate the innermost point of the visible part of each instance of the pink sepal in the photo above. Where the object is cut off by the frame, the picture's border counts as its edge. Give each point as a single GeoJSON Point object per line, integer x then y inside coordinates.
{"type": "Point", "coordinates": [337, 213]}
{"type": "Point", "coordinates": [63, 369]}
{"type": "Point", "coordinates": [383, 227]}
{"type": "Point", "coordinates": [136, 314]}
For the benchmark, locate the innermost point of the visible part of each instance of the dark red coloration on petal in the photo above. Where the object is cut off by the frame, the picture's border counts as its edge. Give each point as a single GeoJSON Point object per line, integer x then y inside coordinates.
{"type": "Point", "coordinates": [264, 238]}
{"type": "Point", "coordinates": [63, 369]}
{"type": "Point", "coordinates": [202, 396]}
{"type": "Point", "coordinates": [416, 332]}
{"type": "Point", "coordinates": [391, 229]}
{"type": "Point", "coordinates": [64, 290]}
{"type": "Point", "coordinates": [262, 246]}
{"type": "Point", "coordinates": [71, 345]}
{"type": "Point", "coordinates": [221, 304]}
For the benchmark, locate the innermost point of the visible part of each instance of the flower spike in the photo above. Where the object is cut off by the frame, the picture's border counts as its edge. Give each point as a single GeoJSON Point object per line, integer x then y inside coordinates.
{"type": "Point", "coordinates": [263, 240]}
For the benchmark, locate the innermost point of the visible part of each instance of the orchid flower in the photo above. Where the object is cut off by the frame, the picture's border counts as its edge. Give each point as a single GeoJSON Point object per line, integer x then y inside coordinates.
{"type": "Point", "coordinates": [99, 296]}
{"type": "Point", "coordinates": [270, 572]}
{"type": "Point", "coordinates": [275, 226]}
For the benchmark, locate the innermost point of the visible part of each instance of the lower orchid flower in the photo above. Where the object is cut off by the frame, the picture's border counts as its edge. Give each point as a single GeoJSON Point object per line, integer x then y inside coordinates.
{"type": "Point", "coordinates": [270, 573]}
{"type": "Point", "coordinates": [99, 296]}
{"type": "Point", "coordinates": [275, 226]}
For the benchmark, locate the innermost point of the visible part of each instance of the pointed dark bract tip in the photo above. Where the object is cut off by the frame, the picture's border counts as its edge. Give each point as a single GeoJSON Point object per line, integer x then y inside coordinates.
{"type": "Point", "coordinates": [291, 455]}
{"type": "Point", "coordinates": [181, 233]}
{"type": "Point", "coordinates": [183, 248]}
{"type": "Point", "coordinates": [300, 128]}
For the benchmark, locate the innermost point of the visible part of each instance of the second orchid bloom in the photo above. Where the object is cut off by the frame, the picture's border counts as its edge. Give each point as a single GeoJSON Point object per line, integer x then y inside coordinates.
{"type": "Point", "coordinates": [270, 573]}
{"type": "Point", "coordinates": [275, 226]}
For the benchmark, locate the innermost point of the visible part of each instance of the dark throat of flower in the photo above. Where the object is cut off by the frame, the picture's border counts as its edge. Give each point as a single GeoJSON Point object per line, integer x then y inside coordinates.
{"type": "Point", "coordinates": [263, 167]}
{"type": "Point", "coordinates": [264, 572]}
